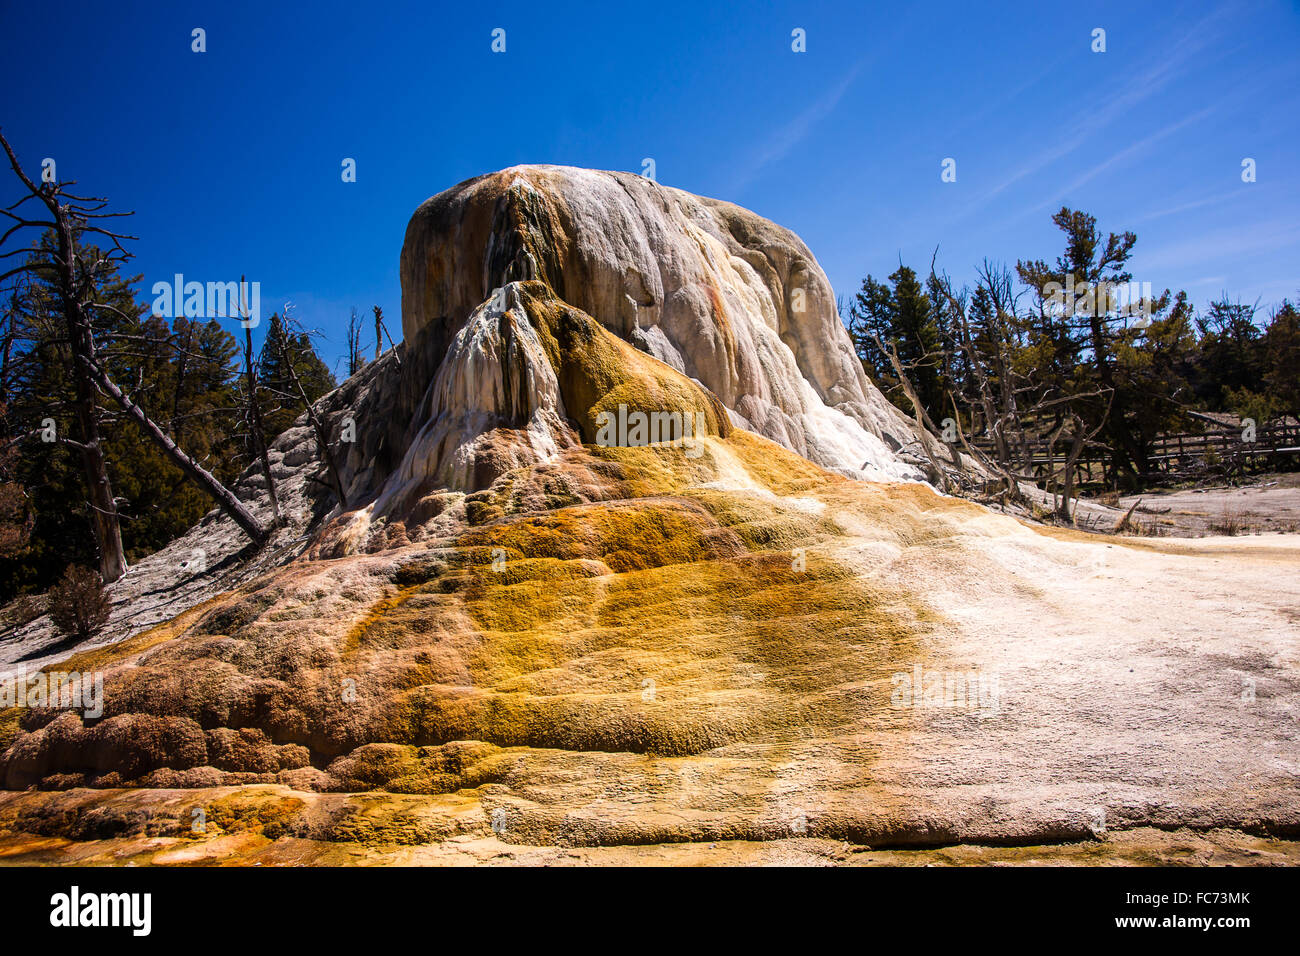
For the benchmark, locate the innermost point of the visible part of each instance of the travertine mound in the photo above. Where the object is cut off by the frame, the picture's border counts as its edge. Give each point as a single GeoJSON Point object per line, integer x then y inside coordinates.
{"type": "Point", "coordinates": [526, 376]}
{"type": "Point", "coordinates": [718, 293]}
{"type": "Point", "coordinates": [683, 286]}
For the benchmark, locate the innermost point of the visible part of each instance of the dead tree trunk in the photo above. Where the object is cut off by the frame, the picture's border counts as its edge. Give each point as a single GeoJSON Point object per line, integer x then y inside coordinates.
{"type": "Point", "coordinates": [182, 364]}
{"type": "Point", "coordinates": [103, 506]}
{"type": "Point", "coordinates": [224, 498]}
{"type": "Point", "coordinates": [322, 436]}
{"type": "Point", "coordinates": [253, 409]}
{"type": "Point", "coordinates": [67, 220]}
{"type": "Point", "coordinates": [1063, 510]}
{"type": "Point", "coordinates": [929, 444]}
{"type": "Point", "coordinates": [381, 329]}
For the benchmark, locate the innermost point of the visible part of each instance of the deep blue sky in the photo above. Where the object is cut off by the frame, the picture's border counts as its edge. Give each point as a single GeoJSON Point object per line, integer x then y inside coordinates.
{"type": "Point", "coordinates": [231, 158]}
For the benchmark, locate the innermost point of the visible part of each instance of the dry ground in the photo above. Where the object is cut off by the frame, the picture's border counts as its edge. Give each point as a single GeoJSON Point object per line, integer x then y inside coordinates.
{"type": "Point", "coordinates": [1267, 504]}
{"type": "Point", "coordinates": [1144, 690]}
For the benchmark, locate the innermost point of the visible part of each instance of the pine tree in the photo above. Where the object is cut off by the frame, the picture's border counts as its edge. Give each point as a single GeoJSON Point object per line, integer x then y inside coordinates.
{"type": "Point", "coordinates": [871, 320]}
{"type": "Point", "coordinates": [1082, 330]}
{"type": "Point", "coordinates": [1282, 346]}
{"type": "Point", "coordinates": [1152, 365]}
{"type": "Point", "coordinates": [286, 345]}
{"type": "Point", "coordinates": [1232, 359]}
{"type": "Point", "coordinates": [904, 317]}
{"type": "Point", "coordinates": [79, 278]}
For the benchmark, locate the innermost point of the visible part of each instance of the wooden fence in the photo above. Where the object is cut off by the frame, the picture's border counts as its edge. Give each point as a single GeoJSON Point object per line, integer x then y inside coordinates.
{"type": "Point", "coordinates": [1170, 454]}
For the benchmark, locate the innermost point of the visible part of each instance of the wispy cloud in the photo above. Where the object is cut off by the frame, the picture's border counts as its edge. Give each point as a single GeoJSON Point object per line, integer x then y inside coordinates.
{"type": "Point", "coordinates": [1189, 206]}
{"type": "Point", "coordinates": [1128, 153]}
{"type": "Point", "coordinates": [796, 131]}
{"type": "Point", "coordinates": [1207, 248]}
{"type": "Point", "coordinates": [1083, 129]}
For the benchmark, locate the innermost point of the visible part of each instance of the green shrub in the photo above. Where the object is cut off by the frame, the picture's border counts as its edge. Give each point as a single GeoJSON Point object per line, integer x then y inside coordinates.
{"type": "Point", "coordinates": [79, 605]}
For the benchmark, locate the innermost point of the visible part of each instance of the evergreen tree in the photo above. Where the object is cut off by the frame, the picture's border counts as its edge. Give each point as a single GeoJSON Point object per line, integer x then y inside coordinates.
{"type": "Point", "coordinates": [1153, 367]}
{"type": "Point", "coordinates": [180, 375]}
{"type": "Point", "coordinates": [1080, 324]}
{"type": "Point", "coordinates": [871, 319]}
{"type": "Point", "coordinates": [283, 345]}
{"type": "Point", "coordinates": [1232, 358]}
{"type": "Point", "coordinates": [904, 317]}
{"type": "Point", "coordinates": [1282, 348]}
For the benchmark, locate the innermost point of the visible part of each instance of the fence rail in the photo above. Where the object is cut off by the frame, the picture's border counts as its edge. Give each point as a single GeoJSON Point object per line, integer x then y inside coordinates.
{"type": "Point", "coordinates": [1169, 454]}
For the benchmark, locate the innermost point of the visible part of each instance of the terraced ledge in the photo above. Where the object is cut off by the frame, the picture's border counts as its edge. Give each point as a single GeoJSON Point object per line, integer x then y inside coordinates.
{"type": "Point", "coordinates": [276, 826]}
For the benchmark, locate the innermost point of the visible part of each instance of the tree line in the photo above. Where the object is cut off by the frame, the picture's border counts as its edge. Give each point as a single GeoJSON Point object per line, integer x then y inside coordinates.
{"type": "Point", "coordinates": [1070, 352]}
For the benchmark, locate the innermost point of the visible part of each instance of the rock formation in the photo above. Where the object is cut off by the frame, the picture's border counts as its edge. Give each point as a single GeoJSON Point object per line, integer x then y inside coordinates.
{"type": "Point", "coordinates": [526, 632]}
{"type": "Point", "coordinates": [721, 295]}
{"type": "Point", "coordinates": [733, 302]}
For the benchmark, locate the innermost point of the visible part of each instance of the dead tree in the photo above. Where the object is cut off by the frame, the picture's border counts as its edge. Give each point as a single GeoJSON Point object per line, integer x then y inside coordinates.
{"type": "Point", "coordinates": [1009, 399]}
{"type": "Point", "coordinates": [997, 420]}
{"type": "Point", "coordinates": [921, 419]}
{"type": "Point", "coordinates": [355, 361]}
{"type": "Point", "coordinates": [103, 507]}
{"type": "Point", "coordinates": [253, 408]}
{"type": "Point", "coordinates": [224, 498]}
{"type": "Point", "coordinates": [69, 217]}
{"type": "Point", "coordinates": [382, 330]}
{"type": "Point", "coordinates": [281, 343]}
{"type": "Point", "coordinates": [1080, 439]}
